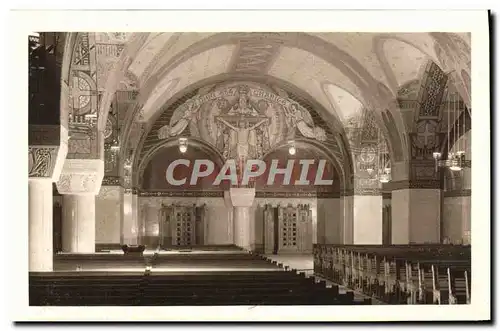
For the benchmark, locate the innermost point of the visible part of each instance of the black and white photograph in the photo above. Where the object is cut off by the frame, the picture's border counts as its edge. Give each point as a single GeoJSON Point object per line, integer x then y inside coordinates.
{"type": "Point", "coordinates": [287, 167]}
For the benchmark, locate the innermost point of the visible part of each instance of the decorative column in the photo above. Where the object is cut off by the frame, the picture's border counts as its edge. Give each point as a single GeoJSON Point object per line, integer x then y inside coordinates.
{"type": "Point", "coordinates": [416, 192]}
{"type": "Point", "coordinates": [329, 221]}
{"type": "Point", "coordinates": [367, 217]}
{"type": "Point", "coordinates": [47, 143]}
{"type": "Point", "coordinates": [346, 212]}
{"type": "Point", "coordinates": [457, 206]}
{"type": "Point", "coordinates": [369, 164]}
{"type": "Point", "coordinates": [40, 224]}
{"type": "Point", "coordinates": [416, 213]}
{"type": "Point", "coordinates": [416, 204]}
{"type": "Point", "coordinates": [130, 220]}
{"type": "Point", "coordinates": [416, 189]}
{"type": "Point", "coordinates": [78, 227]}
{"type": "Point", "coordinates": [230, 221]}
{"type": "Point", "coordinates": [44, 165]}
{"type": "Point", "coordinates": [362, 202]}
{"type": "Point", "coordinates": [79, 184]}
{"type": "Point", "coordinates": [241, 200]}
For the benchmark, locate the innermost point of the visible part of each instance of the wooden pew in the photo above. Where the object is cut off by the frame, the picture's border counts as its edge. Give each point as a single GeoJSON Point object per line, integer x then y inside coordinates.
{"type": "Point", "coordinates": [399, 274]}
{"type": "Point", "coordinates": [263, 287]}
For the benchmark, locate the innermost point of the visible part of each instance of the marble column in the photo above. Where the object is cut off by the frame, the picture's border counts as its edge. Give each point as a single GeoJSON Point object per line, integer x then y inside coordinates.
{"type": "Point", "coordinates": [45, 160]}
{"type": "Point", "coordinates": [347, 219]}
{"type": "Point", "coordinates": [457, 207]}
{"type": "Point", "coordinates": [79, 184]}
{"type": "Point", "coordinates": [40, 225]}
{"type": "Point", "coordinates": [78, 227]}
{"type": "Point", "coordinates": [416, 216]}
{"type": "Point", "coordinates": [129, 218]}
{"type": "Point", "coordinates": [230, 212]}
{"type": "Point", "coordinates": [456, 217]}
{"type": "Point", "coordinates": [242, 200]}
{"type": "Point", "coordinates": [367, 219]}
{"type": "Point", "coordinates": [329, 220]}
{"type": "Point", "coordinates": [321, 220]}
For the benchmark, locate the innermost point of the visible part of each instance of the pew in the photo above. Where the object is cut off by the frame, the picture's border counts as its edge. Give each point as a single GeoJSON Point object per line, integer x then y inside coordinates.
{"type": "Point", "coordinates": [260, 283]}
{"type": "Point", "coordinates": [399, 274]}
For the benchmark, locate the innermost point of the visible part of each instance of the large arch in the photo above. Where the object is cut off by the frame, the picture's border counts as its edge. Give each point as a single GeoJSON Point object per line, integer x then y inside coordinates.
{"type": "Point", "coordinates": [216, 157]}
{"type": "Point", "coordinates": [320, 150]}
{"type": "Point", "coordinates": [374, 93]}
{"type": "Point", "coordinates": [342, 163]}
{"type": "Point", "coordinates": [314, 45]}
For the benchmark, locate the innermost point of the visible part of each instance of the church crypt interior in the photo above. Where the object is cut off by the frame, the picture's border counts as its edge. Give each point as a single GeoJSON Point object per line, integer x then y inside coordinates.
{"type": "Point", "coordinates": [249, 169]}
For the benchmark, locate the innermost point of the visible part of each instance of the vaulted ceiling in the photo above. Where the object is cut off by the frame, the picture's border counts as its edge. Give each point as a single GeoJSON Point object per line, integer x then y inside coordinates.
{"type": "Point", "coordinates": [341, 73]}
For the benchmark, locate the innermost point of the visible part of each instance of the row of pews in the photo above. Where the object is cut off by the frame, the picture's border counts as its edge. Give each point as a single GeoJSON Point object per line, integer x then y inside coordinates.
{"type": "Point", "coordinates": [399, 274]}
{"type": "Point", "coordinates": [252, 280]}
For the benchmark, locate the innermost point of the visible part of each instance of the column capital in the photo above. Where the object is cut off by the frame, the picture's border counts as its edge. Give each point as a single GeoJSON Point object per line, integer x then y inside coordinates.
{"type": "Point", "coordinates": [46, 152]}
{"type": "Point", "coordinates": [81, 177]}
{"type": "Point", "coordinates": [242, 196]}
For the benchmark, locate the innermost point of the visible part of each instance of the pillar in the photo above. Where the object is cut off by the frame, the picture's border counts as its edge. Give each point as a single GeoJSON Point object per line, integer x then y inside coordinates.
{"type": "Point", "coordinates": [367, 219]}
{"type": "Point", "coordinates": [242, 200]}
{"type": "Point", "coordinates": [416, 214]}
{"type": "Point", "coordinates": [457, 206]}
{"type": "Point", "coordinates": [129, 218]}
{"type": "Point", "coordinates": [456, 216]}
{"type": "Point", "coordinates": [78, 227]}
{"type": "Point", "coordinates": [347, 221]}
{"type": "Point", "coordinates": [230, 211]}
{"type": "Point", "coordinates": [44, 166]}
{"type": "Point", "coordinates": [79, 183]}
{"type": "Point", "coordinates": [40, 225]}
{"type": "Point", "coordinates": [329, 221]}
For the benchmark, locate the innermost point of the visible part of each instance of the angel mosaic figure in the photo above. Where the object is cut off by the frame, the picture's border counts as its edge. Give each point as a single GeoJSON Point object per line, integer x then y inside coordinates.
{"type": "Point", "coordinates": [180, 121]}
{"type": "Point", "coordinates": [301, 119]}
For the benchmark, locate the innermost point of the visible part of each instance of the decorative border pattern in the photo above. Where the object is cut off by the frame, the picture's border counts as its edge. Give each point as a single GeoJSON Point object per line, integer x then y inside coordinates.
{"type": "Point", "coordinates": [367, 191]}
{"type": "Point", "coordinates": [411, 184]}
{"type": "Point", "coordinates": [81, 176]}
{"type": "Point", "coordinates": [109, 192]}
{"type": "Point", "coordinates": [407, 104]}
{"type": "Point", "coordinates": [78, 183]}
{"type": "Point", "coordinates": [297, 194]}
{"type": "Point", "coordinates": [111, 181]}
{"type": "Point", "coordinates": [220, 194]}
{"type": "Point", "coordinates": [214, 194]}
{"type": "Point", "coordinates": [457, 193]}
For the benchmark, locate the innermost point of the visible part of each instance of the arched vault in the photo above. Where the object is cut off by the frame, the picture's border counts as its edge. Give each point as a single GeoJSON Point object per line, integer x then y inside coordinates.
{"type": "Point", "coordinates": [370, 67]}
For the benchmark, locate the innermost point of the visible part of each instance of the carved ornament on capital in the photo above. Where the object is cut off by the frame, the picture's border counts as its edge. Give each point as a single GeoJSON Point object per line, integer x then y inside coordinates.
{"type": "Point", "coordinates": [81, 177]}
{"type": "Point", "coordinates": [42, 161]}
{"type": "Point", "coordinates": [110, 192]}
{"type": "Point", "coordinates": [242, 196]}
{"type": "Point", "coordinates": [48, 147]}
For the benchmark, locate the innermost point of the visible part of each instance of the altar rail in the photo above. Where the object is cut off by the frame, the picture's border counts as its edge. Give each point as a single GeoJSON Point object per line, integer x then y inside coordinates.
{"type": "Point", "coordinates": [399, 274]}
